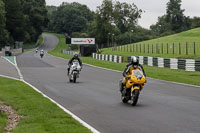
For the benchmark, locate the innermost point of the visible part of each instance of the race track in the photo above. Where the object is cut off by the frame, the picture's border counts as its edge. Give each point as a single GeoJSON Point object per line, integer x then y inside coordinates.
{"type": "Point", "coordinates": [163, 107]}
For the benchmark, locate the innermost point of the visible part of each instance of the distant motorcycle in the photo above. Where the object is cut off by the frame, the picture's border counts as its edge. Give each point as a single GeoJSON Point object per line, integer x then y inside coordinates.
{"type": "Point", "coordinates": [74, 72]}
{"type": "Point", "coordinates": [134, 85]}
{"type": "Point", "coordinates": [41, 53]}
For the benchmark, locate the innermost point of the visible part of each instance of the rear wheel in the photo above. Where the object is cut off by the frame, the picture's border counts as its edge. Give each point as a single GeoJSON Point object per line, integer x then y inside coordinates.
{"type": "Point", "coordinates": [134, 97]}
{"type": "Point", "coordinates": [70, 80]}
{"type": "Point", "coordinates": [74, 79]}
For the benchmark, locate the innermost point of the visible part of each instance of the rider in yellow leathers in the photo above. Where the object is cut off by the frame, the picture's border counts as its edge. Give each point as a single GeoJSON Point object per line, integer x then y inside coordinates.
{"type": "Point", "coordinates": [127, 71]}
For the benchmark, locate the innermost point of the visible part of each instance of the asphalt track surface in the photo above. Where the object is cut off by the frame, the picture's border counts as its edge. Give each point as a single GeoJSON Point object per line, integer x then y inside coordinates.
{"type": "Point", "coordinates": [163, 107]}
{"type": "Point", "coordinates": [8, 69]}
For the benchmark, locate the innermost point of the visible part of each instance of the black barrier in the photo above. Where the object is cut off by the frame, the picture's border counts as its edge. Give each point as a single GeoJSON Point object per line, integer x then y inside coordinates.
{"type": "Point", "coordinates": [87, 50]}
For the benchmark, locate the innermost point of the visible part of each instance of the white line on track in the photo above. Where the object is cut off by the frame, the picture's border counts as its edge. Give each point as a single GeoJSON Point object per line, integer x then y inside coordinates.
{"type": "Point", "coordinates": [4, 76]}
{"type": "Point", "coordinates": [60, 106]}
{"type": "Point", "coordinates": [121, 72]}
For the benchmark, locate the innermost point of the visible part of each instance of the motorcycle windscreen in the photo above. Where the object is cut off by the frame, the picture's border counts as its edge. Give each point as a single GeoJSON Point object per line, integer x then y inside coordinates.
{"type": "Point", "coordinates": [138, 73]}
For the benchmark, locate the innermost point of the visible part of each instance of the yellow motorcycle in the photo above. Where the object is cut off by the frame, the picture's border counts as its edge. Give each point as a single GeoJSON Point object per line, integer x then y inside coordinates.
{"type": "Point", "coordinates": [135, 83]}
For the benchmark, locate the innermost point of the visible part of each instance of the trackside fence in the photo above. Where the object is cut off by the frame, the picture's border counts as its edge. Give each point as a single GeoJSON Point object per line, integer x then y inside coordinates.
{"type": "Point", "coordinates": [64, 51]}
{"type": "Point", "coordinates": [112, 58]}
{"type": "Point", "coordinates": [172, 63]}
{"type": "Point", "coordinates": [165, 48]}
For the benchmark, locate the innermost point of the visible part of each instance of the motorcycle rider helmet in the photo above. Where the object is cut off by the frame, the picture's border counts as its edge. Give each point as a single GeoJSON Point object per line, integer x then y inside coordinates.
{"type": "Point", "coordinates": [75, 55]}
{"type": "Point", "coordinates": [134, 61]}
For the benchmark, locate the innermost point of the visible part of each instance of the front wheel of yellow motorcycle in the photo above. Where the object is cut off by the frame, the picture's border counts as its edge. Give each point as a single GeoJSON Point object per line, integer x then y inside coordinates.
{"type": "Point", "coordinates": [134, 97]}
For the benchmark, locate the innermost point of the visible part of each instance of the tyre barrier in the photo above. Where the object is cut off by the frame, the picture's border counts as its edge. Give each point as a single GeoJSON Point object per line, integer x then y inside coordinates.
{"type": "Point", "coordinates": [112, 58]}
{"type": "Point", "coordinates": [64, 51]}
{"type": "Point", "coordinates": [172, 63]}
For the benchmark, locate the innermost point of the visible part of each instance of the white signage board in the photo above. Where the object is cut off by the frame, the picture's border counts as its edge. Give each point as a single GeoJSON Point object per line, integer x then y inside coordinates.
{"type": "Point", "coordinates": [82, 40]}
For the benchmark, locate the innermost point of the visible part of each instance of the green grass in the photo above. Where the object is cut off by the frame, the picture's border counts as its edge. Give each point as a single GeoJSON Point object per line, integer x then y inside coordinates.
{"type": "Point", "coordinates": [40, 42]}
{"type": "Point", "coordinates": [180, 76]}
{"type": "Point", "coordinates": [150, 47]}
{"type": "Point", "coordinates": [3, 121]}
{"type": "Point", "coordinates": [40, 114]}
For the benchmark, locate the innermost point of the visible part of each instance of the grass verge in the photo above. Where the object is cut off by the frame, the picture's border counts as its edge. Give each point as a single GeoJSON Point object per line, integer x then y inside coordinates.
{"type": "Point", "coordinates": [180, 76]}
{"type": "Point", "coordinates": [3, 121]}
{"type": "Point", "coordinates": [172, 46]}
{"type": "Point", "coordinates": [40, 114]}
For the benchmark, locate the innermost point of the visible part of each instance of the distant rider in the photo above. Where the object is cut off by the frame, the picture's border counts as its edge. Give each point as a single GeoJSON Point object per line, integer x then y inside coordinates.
{"type": "Point", "coordinates": [75, 58]}
{"type": "Point", "coordinates": [129, 67]}
{"type": "Point", "coordinates": [42, 53]}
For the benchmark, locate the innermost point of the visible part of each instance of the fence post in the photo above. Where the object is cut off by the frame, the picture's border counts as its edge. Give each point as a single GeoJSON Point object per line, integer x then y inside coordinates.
{"type": "Point", "coordinates": [173, 48]}
{"type": "Point", "coordinates": [179, 48]}
{"type": "Point", "coordinates": [186, 48]}
{"type": "Point", "coordinates": [144, 48]}
{"type": "Point", "coordinates": [140, 48]}
{"type": "Point", "coordinates": [133, 47]}
{"type": "Point", "coordinates": [162, 48]}
{"type": "Point", "coordinates": [167, 49]}
{"type": "Point", "coordinates": [130, 47]}
{"type": "Point", "coordinates": [194, 48]}
{"type": "Point", "coordinates": [148, 48]}
{"type": "Point", "coordinates": [136, 47]}
{"type": "Point", "coordinates": [152, 48]}
{"type": "Point", "coordinates": [156, 48]}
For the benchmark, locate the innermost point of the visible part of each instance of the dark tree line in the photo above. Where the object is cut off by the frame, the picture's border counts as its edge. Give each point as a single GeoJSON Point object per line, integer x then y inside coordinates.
{"type": "Point", "coordinates": [174, 20]}
{"type": "Point", "coordinates": [111, 18]}
{"type": "Point", "coordinates": [21, 20]}
{"type": "Point", "coordinates": [69, 17]}
{"type": "Point", "coordinates": [116, 23]}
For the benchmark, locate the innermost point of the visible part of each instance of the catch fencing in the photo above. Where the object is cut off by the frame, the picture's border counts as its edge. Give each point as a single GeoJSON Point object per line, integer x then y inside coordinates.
{"type": "Point", "coordinates": [174, 48]}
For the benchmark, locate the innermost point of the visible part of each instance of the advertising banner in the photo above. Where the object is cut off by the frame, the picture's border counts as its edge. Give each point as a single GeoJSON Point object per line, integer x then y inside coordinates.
{"type": "Point", "coordinates": [82, 40]}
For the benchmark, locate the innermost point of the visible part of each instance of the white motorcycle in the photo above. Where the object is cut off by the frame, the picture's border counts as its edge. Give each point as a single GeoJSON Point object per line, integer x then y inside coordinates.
{"type": "Point", "coordinates": [74, 72]}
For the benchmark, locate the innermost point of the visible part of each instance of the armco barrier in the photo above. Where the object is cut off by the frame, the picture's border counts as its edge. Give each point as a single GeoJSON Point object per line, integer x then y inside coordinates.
{"type": "Point", "coordinates": [197, 65]}
{"type": "Point", "coordinates": [64, 51]}
{"type": "Point", "coordinates": [111, 58]}
{"type": "Point", "coordinates": [172, 63]}
{"type": "Point", "coordinates": [160, 62]}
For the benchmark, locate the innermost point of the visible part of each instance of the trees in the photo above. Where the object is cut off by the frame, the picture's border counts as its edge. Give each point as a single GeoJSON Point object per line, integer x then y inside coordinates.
{"type": "Point", "coordinates": [111, 17]}
{"type": "Point", "coordinates": [195, 22]}
{"type": "Point", "coordinates": [15, 20]}
{"type": "Point", "coordinates": [173, 21]}
{"type": "Point", "coordinates": [175, 16]}
{"type": "Point", "coordinates": [115, 18]}
{"type": "Point", "coordinates": [36, 19]}
{"type": "Point", "coordinates": [22, 20]}
{"type": "Point", "coordinates": [126, 15]}
{"type": "Point", "coordinates": [70, 17]}
{"type": "Point", "coordinates": [3, 31]}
